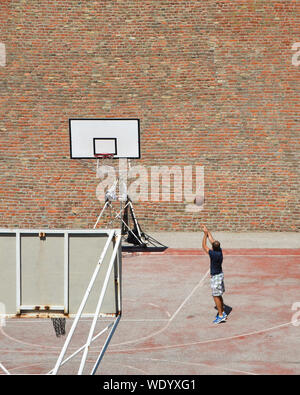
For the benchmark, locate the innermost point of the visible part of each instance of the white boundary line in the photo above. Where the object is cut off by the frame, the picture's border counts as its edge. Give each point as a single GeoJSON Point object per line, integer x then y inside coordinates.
{"type": "Point", "coordinates": [46, 320]}
{"type": "Point", "coordinates": [200, 283]}
{"type": "Point", "coordinates": [206, 341]}
{"type": "Point", "coordinates": [4, 369]}
{"type": "Point", "coordinates": [189, 296]}
{"type": "Point", "coordinates": [199, 364]}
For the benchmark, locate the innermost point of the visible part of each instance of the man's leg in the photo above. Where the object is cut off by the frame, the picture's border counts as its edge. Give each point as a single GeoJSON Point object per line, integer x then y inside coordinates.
{"type": "Point", "coordinates": [219, 304]}
{"type": "Point", "coordinates": [217, 285]}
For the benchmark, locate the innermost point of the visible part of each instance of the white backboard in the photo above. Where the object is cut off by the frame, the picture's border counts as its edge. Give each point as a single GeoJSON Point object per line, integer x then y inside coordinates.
{"type": "Point", "coordinates": [120, 137]}
{"type": "Point", "coordinates": [49, 274]}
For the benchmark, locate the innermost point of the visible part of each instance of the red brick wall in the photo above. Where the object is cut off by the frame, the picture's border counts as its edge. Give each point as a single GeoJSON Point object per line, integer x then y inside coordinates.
{"type": "Point", "coordinates": [211, 81]}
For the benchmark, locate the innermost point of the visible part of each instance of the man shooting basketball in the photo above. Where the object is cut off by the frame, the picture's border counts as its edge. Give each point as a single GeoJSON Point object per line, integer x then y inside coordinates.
{"type": "Point", "coordinates": [216, 273]}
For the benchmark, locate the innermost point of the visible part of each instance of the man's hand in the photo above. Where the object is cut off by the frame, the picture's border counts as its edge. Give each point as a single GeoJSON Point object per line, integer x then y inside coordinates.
{"type": "Point", "coordinates": [204, 228]}
{"type": "Point", "coordinates": [207, 232]}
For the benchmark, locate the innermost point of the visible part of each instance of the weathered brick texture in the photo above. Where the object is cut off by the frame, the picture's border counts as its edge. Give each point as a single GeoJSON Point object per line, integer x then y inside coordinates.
{"type": "Point", "coordinates": [211, 81]}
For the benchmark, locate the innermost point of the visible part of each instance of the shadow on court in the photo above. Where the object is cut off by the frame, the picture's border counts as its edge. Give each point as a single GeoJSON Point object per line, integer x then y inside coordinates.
{"type": "Point", "coordinates": [227, 309]}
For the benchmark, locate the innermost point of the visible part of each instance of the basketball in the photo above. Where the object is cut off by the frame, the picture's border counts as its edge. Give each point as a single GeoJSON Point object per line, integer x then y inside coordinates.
{"type": "Point", "coordinates": [199, 200]}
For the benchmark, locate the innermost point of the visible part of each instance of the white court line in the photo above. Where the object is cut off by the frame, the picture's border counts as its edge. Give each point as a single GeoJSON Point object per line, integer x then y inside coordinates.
{"type": "Point", "coordinates": [123, 365]}
{"type": "Point", "coordinates": [45, 320]}
{"type": "Point", "coordinates": [129, 341]}
{"type": "Point", "coordinates": [166, 326]}
{"type": "Point", "coordinates": [4, 369]}
{"type": "Point", "coordinates": [26, 343]}
{"type": "Point", "coordinates": [222, 339]}
{"type": "Point", "coordinates": [24, 366]}
{"type": "Point", "coordinates": [189, 296]}
{"type": "Point", "coordinates": [198, 364]}
{"type": "Point", "coordinates": [200, 283]}
{"type": "Point", "coordinates": [158, 307]}
{"type": "Point", "coordinates": [147, 320]}
{"type": "Point", "coordinates": [161, 347]}
{"type": "Point", "coordinates": [89, 361]}
{"type": "Point", "coordinates": [55, 357]}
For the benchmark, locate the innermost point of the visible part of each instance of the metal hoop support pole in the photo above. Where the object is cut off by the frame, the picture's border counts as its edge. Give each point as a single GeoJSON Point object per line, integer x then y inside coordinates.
{"type": "Point", "coordinates": [83, 303]}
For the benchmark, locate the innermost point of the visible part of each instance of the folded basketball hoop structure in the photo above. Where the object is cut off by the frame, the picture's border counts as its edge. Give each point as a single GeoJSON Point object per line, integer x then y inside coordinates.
{"type": "Point", "coordinates": [60, 273]}
{"type": "Point", "coordinates": [115, 258]}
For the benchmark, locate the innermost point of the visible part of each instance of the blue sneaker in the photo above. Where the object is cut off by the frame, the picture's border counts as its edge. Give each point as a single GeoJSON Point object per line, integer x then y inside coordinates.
{"type": "Point", "coordinates": [219, 319]}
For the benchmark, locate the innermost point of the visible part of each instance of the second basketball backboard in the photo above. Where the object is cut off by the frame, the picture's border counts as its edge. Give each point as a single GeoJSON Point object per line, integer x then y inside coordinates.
{"type": "Point", "coordinates": [91, 137]}
{"type": "Point", "coordinates": [47, 271]}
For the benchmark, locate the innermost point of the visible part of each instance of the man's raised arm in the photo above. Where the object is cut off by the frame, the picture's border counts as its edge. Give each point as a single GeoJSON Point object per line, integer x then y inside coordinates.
{"type": "Point", "coordinates": [204, 246]}
{"type": "Point", "coordinates": [205, 230]}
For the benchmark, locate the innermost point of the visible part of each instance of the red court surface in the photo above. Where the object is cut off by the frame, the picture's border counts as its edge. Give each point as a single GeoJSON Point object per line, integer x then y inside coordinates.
{"type": "Point", "coordinates": [166, 326]}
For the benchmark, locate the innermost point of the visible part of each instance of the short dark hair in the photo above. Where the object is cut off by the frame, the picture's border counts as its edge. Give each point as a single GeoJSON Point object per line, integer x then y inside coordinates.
{"type": "Point", "coordinates": [216, 245]}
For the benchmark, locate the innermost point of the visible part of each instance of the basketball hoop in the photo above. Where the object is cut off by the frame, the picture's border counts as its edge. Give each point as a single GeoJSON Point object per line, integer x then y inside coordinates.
{"type": "Point", "coordinates": [104, 156]}
{"type": "Point", "coordinates": [59, 325]}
